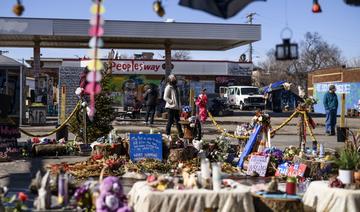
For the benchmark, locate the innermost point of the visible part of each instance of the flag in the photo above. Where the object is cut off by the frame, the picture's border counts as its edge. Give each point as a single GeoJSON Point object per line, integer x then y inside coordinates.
{"type": "Point", "coordinates": [220, 8]}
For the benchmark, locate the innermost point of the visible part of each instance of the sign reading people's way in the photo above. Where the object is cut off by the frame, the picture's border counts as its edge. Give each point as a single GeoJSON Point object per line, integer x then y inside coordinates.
{"type": "Point", "coordinates": [258, 164]}
{"type": "Point", "coordinates": [144, 146]}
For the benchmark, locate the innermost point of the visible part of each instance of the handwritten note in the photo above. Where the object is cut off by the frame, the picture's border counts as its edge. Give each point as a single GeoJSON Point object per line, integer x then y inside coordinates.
{"type": "Point", "coordinates": [145, 146]}
{"type": "Point", "coordinates": [258, 164]}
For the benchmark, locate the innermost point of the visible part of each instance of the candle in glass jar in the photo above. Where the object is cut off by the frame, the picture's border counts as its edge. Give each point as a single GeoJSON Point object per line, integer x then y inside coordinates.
{"type": "Point", "coordinates": [205, 168]}
{"type": "Point", "coordinates": [216, 176]}
{"type": "Point", "coordinates": [291, 186]}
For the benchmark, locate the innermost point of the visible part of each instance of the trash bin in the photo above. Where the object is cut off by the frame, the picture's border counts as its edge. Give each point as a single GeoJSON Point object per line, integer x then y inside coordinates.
{"type": "Point", "coordinates": [63, 133]}
{"type": "Point", "coordinates": [342, 133]}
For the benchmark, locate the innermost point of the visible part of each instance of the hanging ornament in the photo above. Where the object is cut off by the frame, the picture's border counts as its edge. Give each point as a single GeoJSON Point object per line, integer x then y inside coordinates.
{"type": "Point", "coordinates": [316, 7]}
{"type": "Point", "coordinates": [93, 78]}
{"type": "Point", "coordinates": [158, 8]}
{"type": "Point", "coordinates": [18, 8]}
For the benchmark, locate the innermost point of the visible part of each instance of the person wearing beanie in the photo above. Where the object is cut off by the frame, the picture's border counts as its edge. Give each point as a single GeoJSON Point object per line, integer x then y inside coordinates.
{"type": "Point", "coordinates": [173, 105]}
{"type": "Point", "coordinates": [331, 106]}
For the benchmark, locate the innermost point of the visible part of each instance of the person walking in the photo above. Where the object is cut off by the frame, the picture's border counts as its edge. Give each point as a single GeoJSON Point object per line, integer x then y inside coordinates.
{"type": "Point", "coordinates": [173, 105]}
{"type": "Point", "coordinates": [150, 98]}
{"type": "Point", "coordinates": [331, 106]}
{"type": "Point", "coordinates": [201, 103]}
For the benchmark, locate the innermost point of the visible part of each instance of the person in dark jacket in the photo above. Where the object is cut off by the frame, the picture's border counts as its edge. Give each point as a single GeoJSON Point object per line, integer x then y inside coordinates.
{"type": "Point", "coordinates": [150, 97]}
{"type": "Point", "coordinates": [331, 106]}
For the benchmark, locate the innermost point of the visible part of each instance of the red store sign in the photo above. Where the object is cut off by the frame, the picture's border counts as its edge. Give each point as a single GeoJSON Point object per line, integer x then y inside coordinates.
{"type": "Point", "coordinates": [135, 66]}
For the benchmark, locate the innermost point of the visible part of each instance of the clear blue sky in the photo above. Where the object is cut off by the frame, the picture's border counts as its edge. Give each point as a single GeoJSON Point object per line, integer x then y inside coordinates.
{"type": "Point", "coordinates": [338, 24]}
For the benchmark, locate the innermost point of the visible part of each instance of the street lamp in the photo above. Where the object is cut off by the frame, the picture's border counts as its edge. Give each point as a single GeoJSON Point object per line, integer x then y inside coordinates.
{"type": "Point", "coordinates": [286, 50]}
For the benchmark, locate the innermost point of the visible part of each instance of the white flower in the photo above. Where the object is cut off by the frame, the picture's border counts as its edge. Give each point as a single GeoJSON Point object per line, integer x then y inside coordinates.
{"type": "Point", "coordinates": [111, 202]}
{"type": "Point", "coordinates": [88, 111]}
{"type": "Point", "coordinates": [260, 118]}
{"type": "Point", "coordinates": [78, 91]}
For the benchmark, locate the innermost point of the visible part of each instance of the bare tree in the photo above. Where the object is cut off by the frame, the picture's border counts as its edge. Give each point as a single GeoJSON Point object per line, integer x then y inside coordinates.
{"type": "Point", "coordinates": [354, 62]}
{"type": "Point", "coordinates": [315, 53]}
{"type": "Point", "coordinates": [181, 55]}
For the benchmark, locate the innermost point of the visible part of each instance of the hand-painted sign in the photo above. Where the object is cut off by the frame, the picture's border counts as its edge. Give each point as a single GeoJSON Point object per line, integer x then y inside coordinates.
{"type": "Point", "coordinates": [8, 141]}
{"type": "Point", "coordinates": [297, 169]}
{"type": "Point", "coordinates": [258, 164]}
{"type": "Point", "coordinates": [351, 90]}
{"type": "Point", "coordinates": [145, 146]}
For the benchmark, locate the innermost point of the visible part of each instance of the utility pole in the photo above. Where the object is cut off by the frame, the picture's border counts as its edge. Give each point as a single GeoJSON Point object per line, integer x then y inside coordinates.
{"type": "Point", "coordinates": [250, 21]}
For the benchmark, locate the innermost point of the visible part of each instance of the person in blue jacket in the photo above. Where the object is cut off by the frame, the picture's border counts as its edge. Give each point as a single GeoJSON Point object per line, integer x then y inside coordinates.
{"type": "Point", "coordinates": [331, 106]}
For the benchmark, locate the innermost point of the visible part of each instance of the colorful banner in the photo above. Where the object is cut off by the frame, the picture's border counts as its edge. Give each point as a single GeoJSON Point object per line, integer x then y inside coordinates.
{"type": "Point", "coordinates": [351, 90]}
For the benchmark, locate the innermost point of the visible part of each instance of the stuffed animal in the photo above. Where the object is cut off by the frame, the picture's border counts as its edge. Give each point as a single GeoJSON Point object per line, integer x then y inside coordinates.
{"type": "Point", "coordinates": [111, 197]}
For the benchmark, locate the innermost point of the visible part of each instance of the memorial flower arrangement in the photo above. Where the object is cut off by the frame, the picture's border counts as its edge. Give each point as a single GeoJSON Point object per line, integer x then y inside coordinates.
{"type": "Point", "coordinates": [83, 195]}
{"type": "Point", "coordinates": [218, 150]}
{"type": "Point", "coordinates": [290, 152]}
{"type": "Point", "coordinates": [262, 119]}
{"type": "Point", "coordinates": [310, 101]}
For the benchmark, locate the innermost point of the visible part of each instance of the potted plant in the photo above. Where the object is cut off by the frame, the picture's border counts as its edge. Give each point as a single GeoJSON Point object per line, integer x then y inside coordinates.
{"type": "Point", "coordinates": [354, 145]}
{"type": "Point", "coordinates": [347, 162]}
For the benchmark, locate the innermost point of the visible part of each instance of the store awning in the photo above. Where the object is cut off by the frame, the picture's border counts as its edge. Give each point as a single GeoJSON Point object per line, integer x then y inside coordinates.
{"type": "Point", "coordinates": [73, 33]}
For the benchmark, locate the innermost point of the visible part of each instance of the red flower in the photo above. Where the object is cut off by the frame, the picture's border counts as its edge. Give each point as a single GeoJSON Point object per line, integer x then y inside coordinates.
{"type": "Point", "coordinates": [97, 157]}
{"type": "Point", "coordinates": [22, 196]}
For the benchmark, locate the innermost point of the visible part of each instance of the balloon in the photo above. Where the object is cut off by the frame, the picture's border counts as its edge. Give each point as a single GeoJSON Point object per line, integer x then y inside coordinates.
{"type": "Point", "coordinates": [95, 65]}
{"type": "Point", "coordinates": [89, 89]}
{"type": "Point", "coordinates": [94, 31]}
{"type": "Point", "coordinates": [93, 76]}
{"type": "Point", "coordinates": [93, 44]}
{"type": "Point", "coordinates": [94, 9]}
{"type": "Point", "coordinates": [94, 19]}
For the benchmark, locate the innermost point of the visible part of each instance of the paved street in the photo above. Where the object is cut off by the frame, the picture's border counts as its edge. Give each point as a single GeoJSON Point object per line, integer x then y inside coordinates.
{"type": "Point", "coordinates": [17, 174]}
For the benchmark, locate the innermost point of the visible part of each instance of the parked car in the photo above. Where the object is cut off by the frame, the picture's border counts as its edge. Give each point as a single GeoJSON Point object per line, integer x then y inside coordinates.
{"type": "Point", "coordinates": [218, 106]}
{"type": "Point", "coordinates": [244, 97]}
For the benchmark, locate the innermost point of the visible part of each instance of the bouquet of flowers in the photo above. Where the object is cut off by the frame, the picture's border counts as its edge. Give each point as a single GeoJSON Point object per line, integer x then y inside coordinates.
{"type": "Point", "coordinates": [83, 195]}
{"type": "Point", "coordinates": [261, 118]}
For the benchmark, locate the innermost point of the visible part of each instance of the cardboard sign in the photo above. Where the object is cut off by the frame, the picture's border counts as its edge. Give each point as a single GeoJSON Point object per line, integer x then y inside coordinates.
{"type": "Point", "coordinates": [258, 164]}
{"type": "Point", "coordinates": [8, 141]}
{"type": "Point", "coordinates": [297, 169]}
{"type": "Point", "coordinates": [8, 149]}
{"type": "Point", "coordinates": [145, 146]}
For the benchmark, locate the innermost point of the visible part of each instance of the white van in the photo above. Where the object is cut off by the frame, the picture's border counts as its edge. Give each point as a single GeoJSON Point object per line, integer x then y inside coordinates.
{"type": "Point", "coordinates": [244, 97]}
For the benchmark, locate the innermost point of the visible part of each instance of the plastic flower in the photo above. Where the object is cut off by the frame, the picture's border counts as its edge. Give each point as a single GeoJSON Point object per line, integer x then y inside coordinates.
{"type": "Point", "coordinates": [79, 91]}
{"type": "Point", "coordinates": [22, 196]}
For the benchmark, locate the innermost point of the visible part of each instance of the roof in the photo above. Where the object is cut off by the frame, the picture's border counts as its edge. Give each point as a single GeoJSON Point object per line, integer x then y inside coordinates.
{"type": "Point", "coordinates": [73, 33]}
{"type": "Point", "coordinates": [8, 62]}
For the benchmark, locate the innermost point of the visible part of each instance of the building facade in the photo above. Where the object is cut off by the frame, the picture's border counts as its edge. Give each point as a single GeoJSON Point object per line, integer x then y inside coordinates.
{"type": "Point", "coordinates": [130, 76]}
{"type": "Point", "coordinates": [346, 80]}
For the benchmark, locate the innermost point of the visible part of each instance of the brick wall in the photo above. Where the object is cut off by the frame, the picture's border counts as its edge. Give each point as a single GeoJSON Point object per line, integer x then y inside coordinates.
{"type": "Point", "coordinates": [333, 75]}
{"type": "Point", "coordinates": [69, 78]}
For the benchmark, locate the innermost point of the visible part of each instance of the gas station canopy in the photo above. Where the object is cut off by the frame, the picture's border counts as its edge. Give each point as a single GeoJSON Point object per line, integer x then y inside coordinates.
{"type": "Point", "coordinates": [73, 33]}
